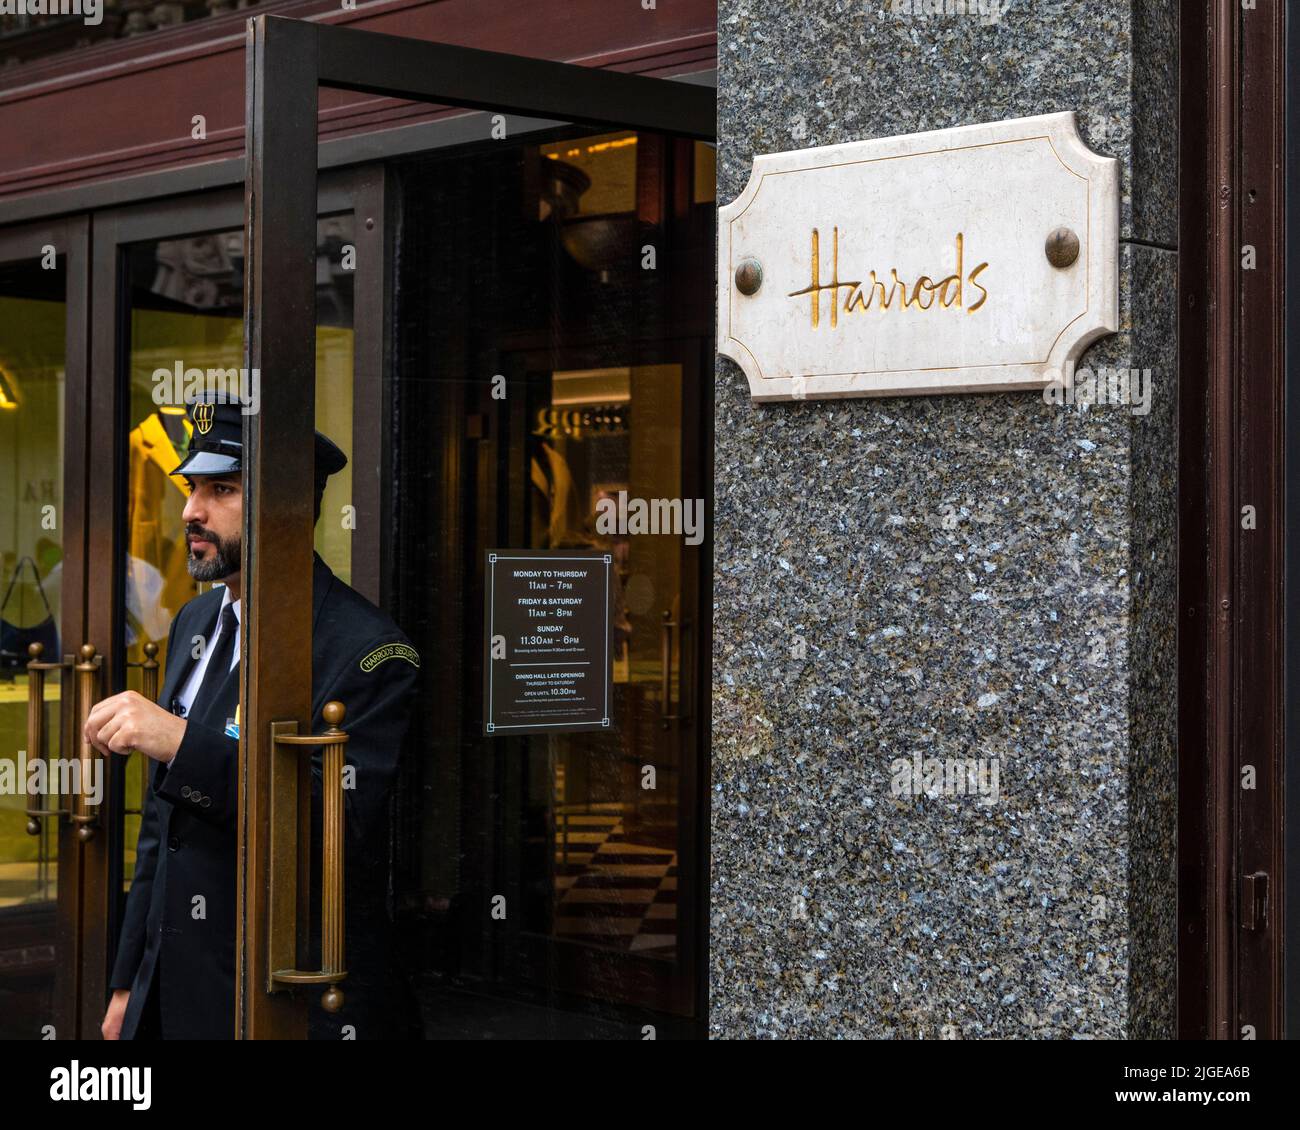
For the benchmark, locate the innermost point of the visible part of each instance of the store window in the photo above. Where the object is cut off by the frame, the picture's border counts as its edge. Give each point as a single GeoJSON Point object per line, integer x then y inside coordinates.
{"type": "Point", "coordinates": [33, 318]}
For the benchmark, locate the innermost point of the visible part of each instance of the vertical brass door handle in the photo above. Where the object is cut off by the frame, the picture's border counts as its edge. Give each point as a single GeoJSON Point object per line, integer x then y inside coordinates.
{"type": "Point", "coordinates": [148, 672]}
{"type": "Point", "coordinates": [285, 843]}
{"type": "Point", "coordinates": [84, 814]}
{"type": "Point", "coordinates": [666, 669]}
{"type": "Point", "coordinates": [37, 745]}
{"type": "Point", "coordinates": [149, 689]}
{"type": "Point", "coordinates": [685, 671]}
{"type": "Point", "coordinates": [683, 701]}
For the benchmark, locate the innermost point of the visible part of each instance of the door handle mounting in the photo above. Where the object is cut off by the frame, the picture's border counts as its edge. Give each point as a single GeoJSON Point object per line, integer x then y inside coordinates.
{"type": "Point", "coordinates": [684, 680]}
{"type": "Point", "coordinates": [285, 846]}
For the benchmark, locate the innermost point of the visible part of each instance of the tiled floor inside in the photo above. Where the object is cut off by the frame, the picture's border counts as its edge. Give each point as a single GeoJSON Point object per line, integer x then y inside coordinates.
{"type": "Point", "coordinates": [610, 890]}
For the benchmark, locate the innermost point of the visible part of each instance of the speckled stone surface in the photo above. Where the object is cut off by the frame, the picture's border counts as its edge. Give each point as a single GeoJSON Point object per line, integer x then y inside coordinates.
{"type": "Point", "coordinates": [960, 576]}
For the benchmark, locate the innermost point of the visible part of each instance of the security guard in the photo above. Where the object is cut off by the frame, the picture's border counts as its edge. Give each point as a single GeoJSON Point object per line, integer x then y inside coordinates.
{"type": "Point", "coordinates": [174, 977]}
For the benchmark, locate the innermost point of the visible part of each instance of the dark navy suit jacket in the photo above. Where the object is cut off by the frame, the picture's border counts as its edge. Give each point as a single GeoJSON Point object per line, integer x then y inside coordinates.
{"type": "Point", "coordinates": [187, 842]}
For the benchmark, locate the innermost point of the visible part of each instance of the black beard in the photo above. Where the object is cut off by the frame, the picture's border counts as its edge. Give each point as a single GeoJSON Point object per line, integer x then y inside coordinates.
{"type": "Point", "coordinates": [221, 564]}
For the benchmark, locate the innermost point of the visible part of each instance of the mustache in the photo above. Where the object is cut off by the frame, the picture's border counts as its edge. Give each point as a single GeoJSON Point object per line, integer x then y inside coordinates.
{"type": "Point", "coordinates": [194, 531]}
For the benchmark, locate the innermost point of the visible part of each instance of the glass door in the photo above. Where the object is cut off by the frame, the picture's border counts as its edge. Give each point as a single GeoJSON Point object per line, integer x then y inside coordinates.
{"type": "Point", "coordinates": [174, 274]}
{"type": "Point", "coordinates": [53, 855]}
{"type": "Point", "coordinates": [551, 305]}
{"type": "Point", "coordinates": [551, 400]}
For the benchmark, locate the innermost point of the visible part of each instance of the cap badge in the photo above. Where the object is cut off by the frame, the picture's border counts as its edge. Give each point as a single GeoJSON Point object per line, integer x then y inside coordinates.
{"type": "Point", "coordinates": [203, 414]}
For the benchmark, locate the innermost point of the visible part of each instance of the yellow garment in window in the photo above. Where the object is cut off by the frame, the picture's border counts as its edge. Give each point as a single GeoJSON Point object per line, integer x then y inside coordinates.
{"type": "Point", "coordinates": [158, 579]}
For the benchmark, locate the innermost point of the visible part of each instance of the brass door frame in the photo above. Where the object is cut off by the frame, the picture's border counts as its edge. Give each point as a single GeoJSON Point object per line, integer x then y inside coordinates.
{"type": "Point", "coordinates": [82, 866]}
{"type": "Point", "coordinates": [360, 191]}
{"type": "Point", "coordinates": [288, 61]}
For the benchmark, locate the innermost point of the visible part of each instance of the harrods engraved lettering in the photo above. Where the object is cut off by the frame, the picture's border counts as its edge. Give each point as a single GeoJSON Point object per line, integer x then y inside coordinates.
{"type": "Point", "coordinates": [943, 293]}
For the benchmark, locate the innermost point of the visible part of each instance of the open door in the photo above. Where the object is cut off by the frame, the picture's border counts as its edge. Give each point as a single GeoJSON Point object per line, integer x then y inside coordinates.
{"type": "Point", "coordinates": [288, 62]}
{"type": "Point", "coordinates": [90, 573]}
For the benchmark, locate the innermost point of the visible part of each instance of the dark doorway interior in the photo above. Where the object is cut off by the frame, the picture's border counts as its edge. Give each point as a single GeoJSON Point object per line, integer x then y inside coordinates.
{"type": "Point", "coordinates": [552, 333]}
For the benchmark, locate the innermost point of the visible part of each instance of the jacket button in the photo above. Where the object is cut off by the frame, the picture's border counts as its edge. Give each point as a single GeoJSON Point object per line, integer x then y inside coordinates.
{"type": "Point", "coordinates": [173, 843]}
{"type": "Point", "coordinates": [206, 802]}
{"type": "Point", "coordinates": [196, 796]}
{"type": "Point", "coordinates": [185, 791]}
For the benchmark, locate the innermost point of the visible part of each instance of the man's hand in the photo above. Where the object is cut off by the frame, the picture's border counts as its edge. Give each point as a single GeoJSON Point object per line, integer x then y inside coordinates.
{"type": "Point", "coordinates": [130, 721]}
{"type": "Point", "coordinates": [111, 1028]}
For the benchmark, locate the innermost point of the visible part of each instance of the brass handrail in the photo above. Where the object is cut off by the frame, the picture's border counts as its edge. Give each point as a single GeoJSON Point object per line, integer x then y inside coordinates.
{"type": "Point", "coordinates": [37, 745]}
{"type": "Point", "coordinates": [84, 814]}
{"type": "Point", "coordinates": [149, 689]}
{"type": "Point", "coordinates": [684, 701]}
{"type": "Point", "coordinates": [283, 924]}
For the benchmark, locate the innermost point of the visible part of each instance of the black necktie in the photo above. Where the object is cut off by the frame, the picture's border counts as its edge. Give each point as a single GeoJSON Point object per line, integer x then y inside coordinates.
{"type": "Point", "coordinates": [219, 664]}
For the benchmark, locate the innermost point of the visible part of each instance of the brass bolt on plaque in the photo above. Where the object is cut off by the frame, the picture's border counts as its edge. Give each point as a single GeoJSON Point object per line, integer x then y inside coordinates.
{"type": "Point", "coordinates": [1062, 247]}
{"type": "Point", "coordinates": [749, 276]}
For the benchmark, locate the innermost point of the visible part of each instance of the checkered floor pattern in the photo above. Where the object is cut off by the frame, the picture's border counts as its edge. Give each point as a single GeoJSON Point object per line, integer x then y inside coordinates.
{"type": "Point", "coordinates": [609, 890]}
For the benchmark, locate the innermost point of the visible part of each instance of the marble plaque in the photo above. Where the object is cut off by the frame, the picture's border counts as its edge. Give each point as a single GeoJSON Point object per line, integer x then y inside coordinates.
{"type": "Point", "coordinates": [981, 258]}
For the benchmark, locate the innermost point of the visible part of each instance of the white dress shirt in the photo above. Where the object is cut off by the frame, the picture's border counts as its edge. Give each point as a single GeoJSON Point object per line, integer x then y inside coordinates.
{"type": "Point", "coordinates": [192, 684]}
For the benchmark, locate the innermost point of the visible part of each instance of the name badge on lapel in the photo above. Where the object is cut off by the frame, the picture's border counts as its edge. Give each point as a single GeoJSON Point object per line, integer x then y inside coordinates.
{"type": "Point", "coordinates": [232, 724]}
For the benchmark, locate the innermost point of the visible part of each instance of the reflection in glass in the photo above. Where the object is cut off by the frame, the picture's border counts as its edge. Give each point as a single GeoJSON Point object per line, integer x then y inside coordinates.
{"type": "Point", "coordinates": [601, 434]}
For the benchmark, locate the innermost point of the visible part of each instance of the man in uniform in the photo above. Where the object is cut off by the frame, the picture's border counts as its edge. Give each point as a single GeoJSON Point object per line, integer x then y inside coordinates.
{"type": "Point", "coordinates": [174, 977]}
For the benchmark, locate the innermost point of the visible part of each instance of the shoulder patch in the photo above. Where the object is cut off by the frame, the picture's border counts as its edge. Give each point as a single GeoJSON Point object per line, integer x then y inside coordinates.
{"type": "Point", "coordinates": [390, 651]}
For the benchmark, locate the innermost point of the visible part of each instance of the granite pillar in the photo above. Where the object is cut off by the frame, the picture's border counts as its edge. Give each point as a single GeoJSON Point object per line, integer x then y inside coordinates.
{"type": "Point", "coordinates": [975, 576]}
